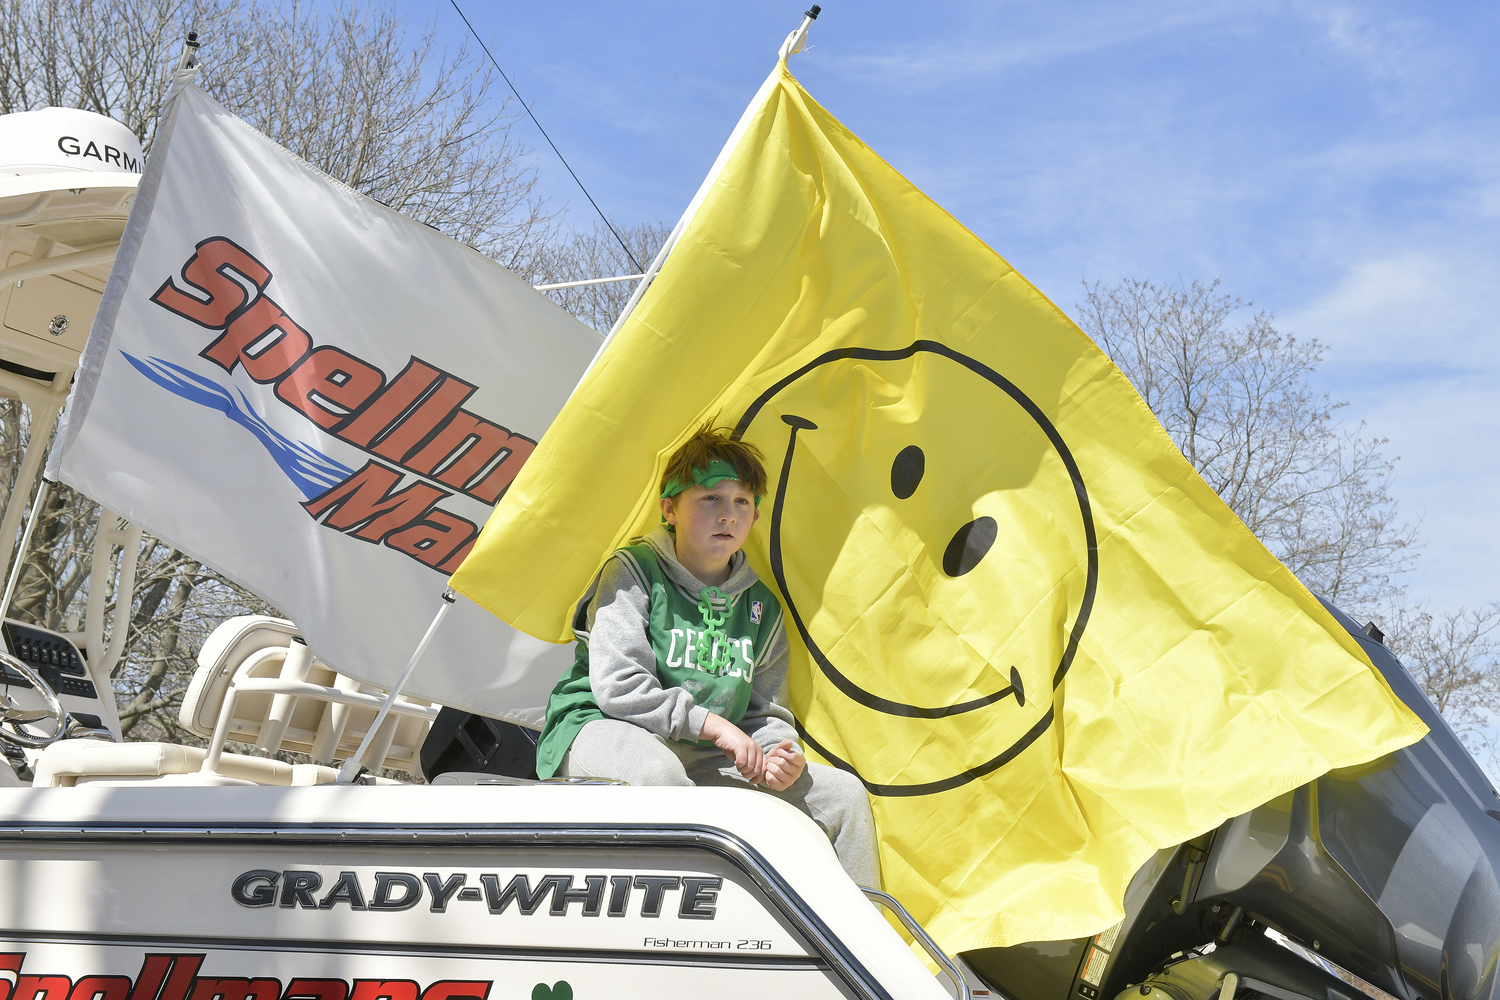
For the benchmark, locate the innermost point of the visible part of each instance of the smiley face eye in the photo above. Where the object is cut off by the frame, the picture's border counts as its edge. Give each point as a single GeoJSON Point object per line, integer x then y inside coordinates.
{"type": "Point", "coordinates": [969, 545]}
{"type": "Point", "coordinates": [906, 471]}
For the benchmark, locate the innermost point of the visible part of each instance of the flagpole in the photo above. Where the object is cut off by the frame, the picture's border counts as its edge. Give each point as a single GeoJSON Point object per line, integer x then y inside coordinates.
{"type": "Point", "coordinates": [352, 765]}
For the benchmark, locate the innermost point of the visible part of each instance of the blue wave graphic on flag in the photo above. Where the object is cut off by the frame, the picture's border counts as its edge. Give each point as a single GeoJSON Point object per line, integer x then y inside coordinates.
{"type": "Point", "coordinates": [310, 470]}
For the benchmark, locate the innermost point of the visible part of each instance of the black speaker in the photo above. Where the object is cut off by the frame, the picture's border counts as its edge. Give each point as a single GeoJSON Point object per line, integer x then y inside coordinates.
{"type": "Point", "coordinates": [462, 741]}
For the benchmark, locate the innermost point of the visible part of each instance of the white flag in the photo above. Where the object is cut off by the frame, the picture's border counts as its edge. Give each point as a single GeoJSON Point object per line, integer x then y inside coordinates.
{"type": "Point", "coordinates": [322, 400]}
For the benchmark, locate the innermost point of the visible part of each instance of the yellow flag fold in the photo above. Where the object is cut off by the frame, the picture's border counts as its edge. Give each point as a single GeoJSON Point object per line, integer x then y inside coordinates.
{"type": "Point", "coordinates": [1042, 641]}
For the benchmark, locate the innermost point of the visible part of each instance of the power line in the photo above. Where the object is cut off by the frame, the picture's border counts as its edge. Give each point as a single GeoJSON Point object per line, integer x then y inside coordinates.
{"type": "Point", "coordinates": [539, 128]}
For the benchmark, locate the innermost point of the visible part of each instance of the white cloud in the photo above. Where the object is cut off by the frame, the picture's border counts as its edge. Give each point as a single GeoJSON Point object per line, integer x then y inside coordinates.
{"type": "Point", "coordinates": [995, 40]}
{"type": "Point", "coordinates": [1412, 316]}
{"type": "Point", "coordinates": [1415, 340]}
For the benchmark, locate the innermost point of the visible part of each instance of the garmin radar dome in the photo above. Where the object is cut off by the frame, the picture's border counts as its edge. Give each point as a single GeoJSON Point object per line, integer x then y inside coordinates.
{"type": "Point", "coordinates": [60, 140]}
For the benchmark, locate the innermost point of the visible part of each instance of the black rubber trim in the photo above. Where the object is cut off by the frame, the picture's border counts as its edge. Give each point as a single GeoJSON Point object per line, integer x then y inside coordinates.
{"type": "Point", "coordinates": [36, 373]}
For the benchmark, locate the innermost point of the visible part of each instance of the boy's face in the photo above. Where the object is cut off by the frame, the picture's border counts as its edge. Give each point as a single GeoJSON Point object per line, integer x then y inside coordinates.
{"type": "Point", "coordinates": [712, 521]}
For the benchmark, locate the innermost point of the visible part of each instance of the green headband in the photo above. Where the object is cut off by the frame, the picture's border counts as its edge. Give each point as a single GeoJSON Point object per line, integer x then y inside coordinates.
{"type": "Point", "coordinates": [718, 470]}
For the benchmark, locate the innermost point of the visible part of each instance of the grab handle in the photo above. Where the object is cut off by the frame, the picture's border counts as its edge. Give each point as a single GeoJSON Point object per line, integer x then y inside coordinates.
{"type": "Point", "coordinates": [928, 944]}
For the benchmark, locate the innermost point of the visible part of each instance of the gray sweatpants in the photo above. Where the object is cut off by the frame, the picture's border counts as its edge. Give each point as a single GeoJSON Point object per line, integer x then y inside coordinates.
{"type": "Point", "coordinates": [833, 799]}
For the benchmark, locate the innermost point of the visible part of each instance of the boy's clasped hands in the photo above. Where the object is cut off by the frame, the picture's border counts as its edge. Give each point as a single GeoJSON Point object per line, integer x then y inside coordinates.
{"type": "Point", "coordinates": [776, 769]}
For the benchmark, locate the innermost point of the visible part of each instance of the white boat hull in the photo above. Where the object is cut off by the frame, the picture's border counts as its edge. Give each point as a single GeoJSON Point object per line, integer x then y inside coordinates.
{"type": "Point", "coordinates": [139, 892]}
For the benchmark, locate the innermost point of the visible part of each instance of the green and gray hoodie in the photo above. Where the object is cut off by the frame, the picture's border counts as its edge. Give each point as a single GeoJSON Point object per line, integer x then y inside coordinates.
{"type": "Point", "coordinates": [637, 654]}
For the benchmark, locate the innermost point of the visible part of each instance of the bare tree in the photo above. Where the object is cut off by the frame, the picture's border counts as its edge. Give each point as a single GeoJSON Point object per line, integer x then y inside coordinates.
{"type": "Point", "coordinates": [595, 253]}
{"type": "Point", "coordinates": [1455, 657]}
{"type": "Point", "coordinates": [389, 117]}
{"type": "Point", "coordinates": [1237, 399]}
{"type": "Point", "coordinates": [345, 89]}
{"type": "Point", "coordinates": [1236, 396]}
{"type": "Point", "coordinates": [112, 58]}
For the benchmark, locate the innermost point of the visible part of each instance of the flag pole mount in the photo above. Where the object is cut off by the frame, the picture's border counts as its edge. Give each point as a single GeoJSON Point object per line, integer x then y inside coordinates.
{"type": "Point", "coordinates": [189, 59]}
{"type": "Point", "coordinates": [797, 40]}
{"type": "Point", "coordinates": [353, 766]}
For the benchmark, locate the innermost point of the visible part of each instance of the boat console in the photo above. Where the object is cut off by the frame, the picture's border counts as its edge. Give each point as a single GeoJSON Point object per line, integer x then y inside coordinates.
{"type": "Point", "coordinates": [60, 663]}
{"type": "Point", "coordinates": [48, 693]}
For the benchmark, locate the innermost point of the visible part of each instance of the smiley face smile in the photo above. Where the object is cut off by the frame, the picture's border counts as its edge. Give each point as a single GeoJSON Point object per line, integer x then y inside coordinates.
{"type": "Point", "coordinates": [968, 546]}
{"type": "Point", "coordinates": [883, 545]}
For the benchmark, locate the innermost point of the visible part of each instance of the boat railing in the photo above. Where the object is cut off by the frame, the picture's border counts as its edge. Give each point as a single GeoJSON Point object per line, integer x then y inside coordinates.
{"type": "Point", "coordinates": [920, 935]}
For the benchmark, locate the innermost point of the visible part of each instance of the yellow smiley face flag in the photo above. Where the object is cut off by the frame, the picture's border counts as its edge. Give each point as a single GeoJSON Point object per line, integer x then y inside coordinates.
{"type": "Point", "coordinates": [1042, 641]}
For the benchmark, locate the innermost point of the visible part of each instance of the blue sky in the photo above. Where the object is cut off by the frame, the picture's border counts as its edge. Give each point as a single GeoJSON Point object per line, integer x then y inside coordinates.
{"type": "Point", "coordinates": [1338, 164]}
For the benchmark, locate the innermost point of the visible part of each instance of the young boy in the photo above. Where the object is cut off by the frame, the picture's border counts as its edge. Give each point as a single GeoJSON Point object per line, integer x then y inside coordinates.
{"type": "Point", "coordinates": [682, 660]}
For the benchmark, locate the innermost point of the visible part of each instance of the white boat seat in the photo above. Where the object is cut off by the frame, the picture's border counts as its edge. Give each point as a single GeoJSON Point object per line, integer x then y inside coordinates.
{"type": "Point", "coordinates": [251, 651]}
{"type": "Point", "coordinates": [256, 683]}
{"type": "Point", "coordinates": [78, 762]}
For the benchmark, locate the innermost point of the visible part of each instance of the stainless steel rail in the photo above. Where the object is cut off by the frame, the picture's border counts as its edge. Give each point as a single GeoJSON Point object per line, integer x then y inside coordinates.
{"type": "Point", "coordinates": [950, 969]}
